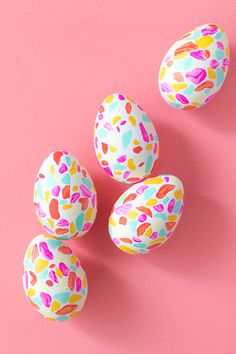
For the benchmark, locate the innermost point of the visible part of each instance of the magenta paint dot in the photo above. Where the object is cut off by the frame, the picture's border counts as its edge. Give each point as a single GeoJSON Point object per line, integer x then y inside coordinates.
{"type": "Point", "coordinates": [159, 208]}
{"type": "Point", "coordinates": [136, 239]}
{"type": "Point", "coordinates": [121, 158]}
{"type": "Point", "coordinates": [181, 98]}
{"type": "Point", "coordinates": [154, 235]}
{"type": "Point", "coordinates": [226, 62]}
{"type": "Point", "coordinates": [56, 191]}
{"type": "Point", "coordinates": [74, 197]}
{"type": "Point", "coordinates": [198, 54]}
{"type": "Point", "coordinates": [196, 76]}
{"type": "Point", "coordinates": [126, 174]}
{"type": "Point", "coordinates": [63, 168]}
{"type": "Point", "coordinates": [169, 234]}
{"type": "Point", "coordinates": [121, 97]}
{"type": "Point", "coordinates": [214, 64]}
{"type": "Point", "coordinates": [208, 31]}
{"type": "Point", "coordinates": [141, 189]}
{"type": "Point", "coordinates": [46, 299]}
{"type": "Point", "coordinates": [181, 209]}
{"type": "Point", "coordinates": [171, 205]}
{"type": "Point", "coordinates": [220, 45]}
{"type": "Point", "coordinates": [63, 223]}
{"type": "Point", "coordinates": [94, 201]}
{"type": "Point", "coordinates": [108, 171]}
{"type": "Point", "coordinates": [44, 250]}
{"type": "Point", "coordinates": [144, 132]}
{"type": "Point", "coordinates": [85, 191]}
{"type": "Point", "coordinates": [100, 116]}
{"type": "Point", "coordinates": [63, 268]}
{"type": "Point", "coordinates": [52, 276]}
{"type": "Point", "coordinates": [78, 284]}
{"type": "Point", "coordinates": [155, 148]}
{"type": "Point", "coordinates": [142, 218]}
{"type": "Point", "coordinates": [87, 226]}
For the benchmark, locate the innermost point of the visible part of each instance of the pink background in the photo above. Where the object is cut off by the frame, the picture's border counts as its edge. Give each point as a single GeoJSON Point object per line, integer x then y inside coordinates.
{"type": "Point", "coordinates": [58, 60]}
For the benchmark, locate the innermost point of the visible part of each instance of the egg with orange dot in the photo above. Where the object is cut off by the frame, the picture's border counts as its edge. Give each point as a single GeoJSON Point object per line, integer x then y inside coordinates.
{"type": "Point", "coordinates": [65, 197]}
{"type": "Point", "coordinates": [145, 216]}
{"type": "Point", "coordinates": [125, 139]}
{"type": "Point", "coordinates": [53, 279]}
{"type": "Point", "coordinates": [194, 68]}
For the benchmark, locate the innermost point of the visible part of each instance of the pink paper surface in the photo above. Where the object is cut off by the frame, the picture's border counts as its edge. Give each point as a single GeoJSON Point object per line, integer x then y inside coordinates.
{"type": "Point", "coordinates": [58, 60]}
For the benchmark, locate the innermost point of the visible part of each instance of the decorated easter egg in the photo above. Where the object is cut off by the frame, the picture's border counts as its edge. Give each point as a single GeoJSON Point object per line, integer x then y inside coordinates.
{"type": "Point", "coordinates": [53, 279]}
{"type": "Point", "coordinates": [194, 68]}
{"type": "Point", "coordinates": [146, 215]}
{"type": "Point", "coordinates": [126, 142]}
{"type": "Point", "coordinates": [64, 196]}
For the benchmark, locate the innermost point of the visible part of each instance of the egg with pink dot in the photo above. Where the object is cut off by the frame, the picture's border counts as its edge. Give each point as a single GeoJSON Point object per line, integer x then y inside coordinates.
{"type": "Point", "coordinates": [195, 67]}
{"type": "Point", "coordinates": [53, 279]}
{"type": "Point", "coordinates": [65, 197]}
{"type": "Point", "coordinates": [125, 139]}
{"type": "Point", "coordinates": [145, 216]}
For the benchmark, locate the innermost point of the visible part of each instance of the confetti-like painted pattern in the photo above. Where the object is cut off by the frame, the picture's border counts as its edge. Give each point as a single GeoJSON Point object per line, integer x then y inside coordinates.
{"type": "Point", "coordinates": [195, 67]}
{"type": "Point", "coordinates": [53, 279]}
{"type": "Point", "coordinates": [64, 196]}
{"type": "Point", "coordinates": [126, 142]}
{"type": "Point", "coordinates": [145, 216]}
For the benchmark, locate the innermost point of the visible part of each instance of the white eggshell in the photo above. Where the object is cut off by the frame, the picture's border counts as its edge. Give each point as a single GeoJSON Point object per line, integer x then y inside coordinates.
{"type": "Point", "coordinates": [126, 142]}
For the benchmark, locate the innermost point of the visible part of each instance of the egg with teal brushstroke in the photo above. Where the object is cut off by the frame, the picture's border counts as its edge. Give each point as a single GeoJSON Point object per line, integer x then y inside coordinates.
{"type": "Point", "coordinates": [125, 139]}
{"type": "Point", "coordinates": [145, 216]}
{"type": "Point", "coordinates": [53, 279]}
{"type": "Point", "coordinates": [65, 197]}
{"type": "Point", "coordinates": [195, 67]}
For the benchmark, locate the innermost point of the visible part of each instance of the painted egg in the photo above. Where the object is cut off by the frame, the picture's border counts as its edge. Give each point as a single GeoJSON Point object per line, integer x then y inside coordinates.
{"type": "Point", "coordinates": [53, 279]}
{"type": "Point", "coordinates": [126, 142]}
{"type": "Point", "coordinates": [145, 216]}
{"type": "Point", "coordinates": [194, 68]}
{"type": "Point", "coordinates": [64, 196]}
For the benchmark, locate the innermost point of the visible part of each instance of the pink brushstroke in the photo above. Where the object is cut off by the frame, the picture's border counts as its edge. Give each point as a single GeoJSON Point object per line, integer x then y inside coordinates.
{"type": "Point", "coordinates": [144, 132]}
